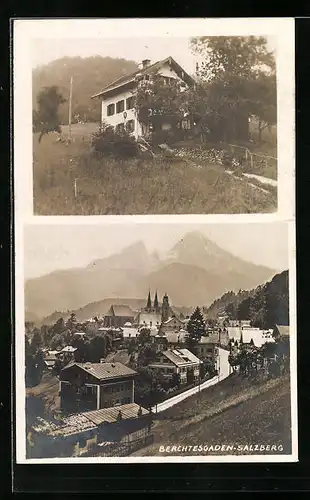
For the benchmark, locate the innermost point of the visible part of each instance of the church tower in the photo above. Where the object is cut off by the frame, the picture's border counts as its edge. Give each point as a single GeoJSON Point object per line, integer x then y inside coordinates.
{"type": "Point", "coordinates": [156, 306]}
{"type": "Point", "coordinates": [165, 308]}
{"type": "Point", "coordinates": [149, 303]}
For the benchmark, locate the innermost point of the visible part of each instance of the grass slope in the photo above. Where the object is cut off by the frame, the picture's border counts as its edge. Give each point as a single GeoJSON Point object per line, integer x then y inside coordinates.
{"type": "Point", "coordinates": [234, 412]}
{"type": "Point", "coordinates": [133, 187]}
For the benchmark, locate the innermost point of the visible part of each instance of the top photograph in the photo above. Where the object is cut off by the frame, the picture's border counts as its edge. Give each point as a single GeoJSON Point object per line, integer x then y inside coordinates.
{"type": "Point", "coordinates": [154, 125]}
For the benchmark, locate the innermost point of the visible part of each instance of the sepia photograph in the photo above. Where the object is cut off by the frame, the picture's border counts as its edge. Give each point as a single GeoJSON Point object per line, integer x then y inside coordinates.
{"type": "Point", "coordinates": [154, 125]}
{"type": "Point", "coordinates": [161, 340]}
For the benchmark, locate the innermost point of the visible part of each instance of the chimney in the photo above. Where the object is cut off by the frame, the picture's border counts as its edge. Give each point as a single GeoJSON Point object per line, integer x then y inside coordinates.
{"type": "Point", "coordinates": [146, 63]}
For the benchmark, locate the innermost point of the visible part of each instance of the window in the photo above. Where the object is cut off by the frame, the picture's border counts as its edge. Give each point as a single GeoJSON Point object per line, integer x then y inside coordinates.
{"type": "Point", "coordinates": [120, 127]}
{"type": "Point", "coordinates": [125, 401]}
{"type": "Point", "coordinates": [146, 77]}
{"type": "Point", "coordinates": [110, 109]}
{"type": "Point", "coordinates": [91, 391]}
{"type": "Point", "coordinates": [130, 102]}
{"type": "Point", "coordinates": [120, 106]}
{"type": "Point", "coordinates": [130, 126]}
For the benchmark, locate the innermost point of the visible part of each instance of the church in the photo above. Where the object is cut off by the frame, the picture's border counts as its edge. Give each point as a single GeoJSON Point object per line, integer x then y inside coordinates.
{"type": "Point", "coordinates": [153, 315]}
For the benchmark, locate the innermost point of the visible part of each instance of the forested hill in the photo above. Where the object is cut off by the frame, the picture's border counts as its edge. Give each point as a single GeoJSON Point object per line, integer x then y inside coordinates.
{"type": "Point", "coordinates": [90, 75]}
{"type": "Point", "coordinates": [265, 305]}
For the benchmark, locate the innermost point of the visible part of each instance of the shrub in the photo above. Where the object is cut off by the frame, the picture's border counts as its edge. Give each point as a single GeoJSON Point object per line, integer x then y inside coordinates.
{"type": "Point", "coordinates": [110, 142]}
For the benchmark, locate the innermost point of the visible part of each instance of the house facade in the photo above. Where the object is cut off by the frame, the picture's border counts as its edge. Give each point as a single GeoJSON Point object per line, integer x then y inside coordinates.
{"type": "Point", "coordinates": [118, 98]}
{"type": "Point", "coordinates": [177, 362]}
{"type": "Point", "coordinates": [92, 386]}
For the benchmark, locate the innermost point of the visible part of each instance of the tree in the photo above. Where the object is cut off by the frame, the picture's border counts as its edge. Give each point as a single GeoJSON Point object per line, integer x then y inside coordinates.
{"type": "Point", "coordinates": [157, 102]}
{"type": "Point", "coordinates": [195, 328]}
{"type": "Point", "coordinates": [45, 118]}
{"type": "Point", "coordinates": [144, 336]}
{"type": "Point", "coordinates": [97, 348]}
{"type": "Point", "coordinates": [36, 341]}
{"type": "Point", "coordinates": [234, 73]}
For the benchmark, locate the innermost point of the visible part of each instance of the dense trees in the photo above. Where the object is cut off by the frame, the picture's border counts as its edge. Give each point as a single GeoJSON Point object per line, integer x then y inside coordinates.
{"type": "Point", "coordinates": [264, 306]}
{"type": "Point", "coordinates": [237, 76]}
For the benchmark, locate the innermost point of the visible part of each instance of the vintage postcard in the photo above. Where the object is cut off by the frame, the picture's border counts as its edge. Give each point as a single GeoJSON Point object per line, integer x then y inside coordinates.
{"type": "Point", "coordinates": [128, 117]}
{"type": "Point", "coordinates": [166, 341]}
{"type": "Point", "coordinates": [155, 241]}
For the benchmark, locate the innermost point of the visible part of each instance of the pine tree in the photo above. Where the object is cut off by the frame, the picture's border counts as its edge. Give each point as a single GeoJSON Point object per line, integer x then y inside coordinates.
{"type": "Point", "coordinates": [195, 328]}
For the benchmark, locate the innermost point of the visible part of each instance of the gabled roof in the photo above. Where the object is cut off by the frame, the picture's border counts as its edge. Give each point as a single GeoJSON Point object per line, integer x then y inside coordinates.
{"type": "Point", "coordinates": [110, 415]}
{"type": "Point", "coordinates": [68, 348]}
{"type": "Point", "coordinates": [178, 357]}
{"type": "Point", "coordinates": [120, 310]}
{"type": "Point", "coordinates": [284, 330]}
{"type": "Point", "coordinates": [103, 371]}
{"type": "Point", "coordinates": [152, 68]}
{"type": "Point", "coordinates": [189, 355]}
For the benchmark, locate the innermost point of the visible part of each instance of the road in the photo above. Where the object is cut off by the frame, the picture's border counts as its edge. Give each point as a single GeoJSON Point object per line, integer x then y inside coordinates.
{"type": "Point", "coordinates": [224, 369]}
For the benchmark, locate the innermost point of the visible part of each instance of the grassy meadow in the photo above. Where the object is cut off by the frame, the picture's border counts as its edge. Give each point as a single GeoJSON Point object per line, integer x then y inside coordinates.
{"type": "Point", "coordinates": [233, 412]}
{"type": "Point", "coordinates": [69, 180]}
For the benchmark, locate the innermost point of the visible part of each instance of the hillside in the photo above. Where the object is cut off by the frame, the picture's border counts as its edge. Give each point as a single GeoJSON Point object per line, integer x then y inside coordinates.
{"type": "Point", "coordinates": [233, 412]}
{"type": "Point", "coordinates": [131, 272]}
{"type": "Point", "coordinates": [265, 305]}
{"type": "Point", "coordinates": [90, 75]}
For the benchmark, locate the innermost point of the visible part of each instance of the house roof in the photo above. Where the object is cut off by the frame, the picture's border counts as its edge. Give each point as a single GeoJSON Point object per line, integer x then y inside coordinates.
{"type": "Point", "coordinates": [126, 79]}
{"type": "Point", "coordinates": [178, 358]}
{"type": "Point", "coordinates": [68, 348]}
{"type": "Point", "coordinates": [189, 355]}
{"type": "Point", "coordinates": [110, 415]}
{"type": "Point", "coordinates": [284, 330]}
{"type": "Point", "coordinates": [73, 424]}
{"type": "Point", "coordinates": [103, 371]}
{"type": "Point", "coordinates": [120, 310]}
{"type": "Point", "coordinates": [172, 319]}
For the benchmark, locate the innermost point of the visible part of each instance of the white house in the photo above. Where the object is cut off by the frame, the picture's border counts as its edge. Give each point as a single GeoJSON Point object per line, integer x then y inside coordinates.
{"type": "Point", "coordinates": [117, 98]}
{"type": "Point", "coordinates": [177, 361]}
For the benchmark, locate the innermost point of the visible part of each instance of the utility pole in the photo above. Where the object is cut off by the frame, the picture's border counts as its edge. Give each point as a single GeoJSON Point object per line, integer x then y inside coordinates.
{"type": "Point", "coordinates": [70, 108]}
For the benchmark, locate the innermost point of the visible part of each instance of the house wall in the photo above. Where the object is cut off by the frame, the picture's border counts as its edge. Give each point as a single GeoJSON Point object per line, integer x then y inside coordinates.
{"type": "Point", "coordinates": [117, 321]}
{"type": "Point", "coordinates": [118, 118]}
{"type": "Point", "coordinates": [120, 392]}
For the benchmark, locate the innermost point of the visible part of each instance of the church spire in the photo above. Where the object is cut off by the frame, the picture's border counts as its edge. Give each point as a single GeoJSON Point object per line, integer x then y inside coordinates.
{"type": "Point", "coordinates": [156, 301]}
{"type": "Point", "coordinates": [149, 302]}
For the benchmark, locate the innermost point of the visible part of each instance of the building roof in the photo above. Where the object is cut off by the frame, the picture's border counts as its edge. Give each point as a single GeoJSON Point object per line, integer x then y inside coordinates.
{"type": "Point", "coordinates": [110, 415]}
{"type": "Point", "coordinates": [172, 319]}
{"type": "Point", "coordinates": [153, 68]}
{"type": "Point", "coordinates": [120, 310]}
{"type": "Point", "coordinates": [103, 371]}
{"type": "Point", "coordinates": [177, 357]}
{"type": "Point", "coordinates": [73, 424]}
{"type": "Point", "coordinates": [68, 348]}
{"type": "Point", "coordinates": [189, 355]}
{"type": "Point", "coordinates": [284, 330]}
{"type": "Point", "coordinates": [259, 336]}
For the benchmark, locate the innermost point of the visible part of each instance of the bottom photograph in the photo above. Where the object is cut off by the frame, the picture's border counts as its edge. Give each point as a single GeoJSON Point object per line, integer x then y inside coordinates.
{"type": "Point", "coordinates": [157, 342]}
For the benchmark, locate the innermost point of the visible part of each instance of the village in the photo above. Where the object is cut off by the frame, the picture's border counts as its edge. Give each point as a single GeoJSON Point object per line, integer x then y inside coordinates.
{"type": "Point", "coordinates": [117, 372]}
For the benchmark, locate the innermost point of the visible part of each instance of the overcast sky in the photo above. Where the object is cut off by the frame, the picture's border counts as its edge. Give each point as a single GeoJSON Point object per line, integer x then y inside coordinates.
{"type": "Point", "coordinates": [136, 49]}
{"type": "Point", "coordinates": [51, 247]}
